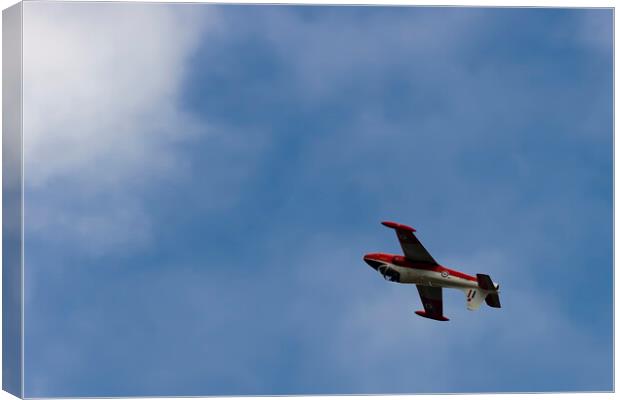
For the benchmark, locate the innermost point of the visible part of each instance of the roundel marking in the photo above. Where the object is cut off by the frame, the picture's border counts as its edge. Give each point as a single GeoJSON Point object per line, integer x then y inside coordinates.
{"type": "Point", "coordinates": [444, 274]}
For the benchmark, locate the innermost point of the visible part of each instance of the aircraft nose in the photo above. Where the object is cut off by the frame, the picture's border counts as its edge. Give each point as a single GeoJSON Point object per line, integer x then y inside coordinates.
{"type": "Point", "coordinates": [373, 263]}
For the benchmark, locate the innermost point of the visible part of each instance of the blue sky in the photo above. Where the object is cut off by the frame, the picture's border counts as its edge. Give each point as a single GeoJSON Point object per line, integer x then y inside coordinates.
{"type": "Point", "coordinates": [202, 182]}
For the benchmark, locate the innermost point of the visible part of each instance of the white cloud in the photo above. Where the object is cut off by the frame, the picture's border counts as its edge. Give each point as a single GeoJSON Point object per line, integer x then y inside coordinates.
{"type": "Point", "coordinates": [102, 112]}
{"type": "Point", "coordinates": [101, 83]}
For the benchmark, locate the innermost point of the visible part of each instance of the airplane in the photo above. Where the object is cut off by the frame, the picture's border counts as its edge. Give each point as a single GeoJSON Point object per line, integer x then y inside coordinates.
{"type": "Point", "coordinates": [418, 267]}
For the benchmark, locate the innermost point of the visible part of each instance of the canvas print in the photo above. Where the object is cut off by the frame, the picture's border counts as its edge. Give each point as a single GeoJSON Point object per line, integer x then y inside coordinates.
{"type": "Point", "coordinates": [193, 199]}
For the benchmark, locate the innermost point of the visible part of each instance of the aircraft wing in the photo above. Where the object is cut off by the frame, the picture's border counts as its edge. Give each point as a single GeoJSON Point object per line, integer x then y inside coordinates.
{"type": "Point", "coordinates": [412, 248]}
{"type": "Point", "coordinates": [432, 300]}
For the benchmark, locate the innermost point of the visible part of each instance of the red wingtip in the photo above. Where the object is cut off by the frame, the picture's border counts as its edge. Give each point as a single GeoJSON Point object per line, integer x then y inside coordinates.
{"type": "Point", "coordinates": [437, 318]}
{"type": "Point", "coordinates": [396, 225]}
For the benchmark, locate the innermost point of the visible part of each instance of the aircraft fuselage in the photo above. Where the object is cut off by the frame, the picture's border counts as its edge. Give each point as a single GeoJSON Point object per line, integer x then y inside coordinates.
{"type": "Point", "coordinates": [396, 268]}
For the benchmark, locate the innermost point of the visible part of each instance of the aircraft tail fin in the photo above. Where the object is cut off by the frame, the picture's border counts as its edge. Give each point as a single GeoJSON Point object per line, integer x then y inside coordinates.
{"type": "Point", "coordinates": [487, 291]}
{"type": "Point", "coordinates": [474, 298]}
{"type": "Point", "coordinates": [485, 283]}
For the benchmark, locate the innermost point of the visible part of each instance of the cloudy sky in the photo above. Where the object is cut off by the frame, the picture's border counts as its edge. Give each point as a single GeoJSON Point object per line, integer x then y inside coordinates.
{"type": "Point", "coordinates": [202, 182]}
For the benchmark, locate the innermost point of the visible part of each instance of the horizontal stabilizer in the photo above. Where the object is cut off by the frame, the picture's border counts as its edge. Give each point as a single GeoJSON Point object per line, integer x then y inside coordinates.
{"type": "Point", "coordinates": [485, 282]}
{"type": "Point", "coordinates": [435, 317]}
{"type": "Point", "coordinates": [492, 300]}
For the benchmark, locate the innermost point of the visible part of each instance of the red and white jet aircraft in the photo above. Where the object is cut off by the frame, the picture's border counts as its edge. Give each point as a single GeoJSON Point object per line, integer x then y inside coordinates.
{"type": "Point", "coordinates": [419, 268]}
